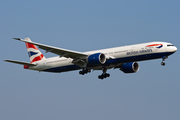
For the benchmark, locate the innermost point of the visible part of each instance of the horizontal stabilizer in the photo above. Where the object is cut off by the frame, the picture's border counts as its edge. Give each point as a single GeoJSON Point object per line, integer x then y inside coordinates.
{"type": "Point", "coordinates": [17, 39]}
{"type": "Point", "coordinates": [21, 63]}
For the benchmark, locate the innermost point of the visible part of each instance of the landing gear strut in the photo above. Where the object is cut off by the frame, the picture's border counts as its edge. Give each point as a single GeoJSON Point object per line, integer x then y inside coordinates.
{"type": "Point", "coordinates": [84, 71]}
{"type": "Point", "coordinates": [163, 59]}
{"type": "Point", "coordinates": [104, 74]}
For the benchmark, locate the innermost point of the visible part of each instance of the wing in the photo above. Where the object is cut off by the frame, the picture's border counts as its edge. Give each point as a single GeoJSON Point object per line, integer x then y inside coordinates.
{"type": "Point", "coordinates": [21, 63]}
{"type": "Point", "coordinates": [58, 51]}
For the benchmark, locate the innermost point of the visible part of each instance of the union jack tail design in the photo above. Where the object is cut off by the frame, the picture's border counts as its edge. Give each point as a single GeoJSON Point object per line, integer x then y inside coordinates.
{"type": "Point", "coordinates": [34, 53]}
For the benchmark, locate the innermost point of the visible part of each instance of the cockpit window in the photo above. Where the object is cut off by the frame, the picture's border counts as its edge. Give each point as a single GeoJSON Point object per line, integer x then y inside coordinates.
{"type": "Point", "coordinates": [170, 45]}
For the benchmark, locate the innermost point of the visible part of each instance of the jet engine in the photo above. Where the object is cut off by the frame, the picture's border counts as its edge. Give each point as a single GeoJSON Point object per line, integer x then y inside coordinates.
{"type": "Point", "coordinates": [130, 67]}
{"type": "Point", "coordinates": [97, 58]}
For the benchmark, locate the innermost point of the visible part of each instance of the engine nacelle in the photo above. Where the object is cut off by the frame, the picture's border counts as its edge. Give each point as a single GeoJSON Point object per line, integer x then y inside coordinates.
{"type": "Point", "coordinates": [97, 58]}
{"type": "Point", "coordinates": [130, 67]}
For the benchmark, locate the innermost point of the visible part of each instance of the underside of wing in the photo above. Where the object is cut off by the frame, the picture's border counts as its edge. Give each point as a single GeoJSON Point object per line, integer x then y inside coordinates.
{"type": "Point", "coordinates": [59, 51]}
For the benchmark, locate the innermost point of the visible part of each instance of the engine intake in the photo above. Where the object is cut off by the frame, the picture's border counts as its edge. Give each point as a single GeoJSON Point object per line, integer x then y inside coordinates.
{"type": "Point", "coordinates": [97, 58]}
{"type": "Point", "coordinates": [130, 67]}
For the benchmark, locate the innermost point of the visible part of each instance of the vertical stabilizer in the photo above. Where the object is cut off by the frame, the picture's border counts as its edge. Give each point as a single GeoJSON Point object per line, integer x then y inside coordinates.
{"type": "Point", "coordinates": [34, 54]}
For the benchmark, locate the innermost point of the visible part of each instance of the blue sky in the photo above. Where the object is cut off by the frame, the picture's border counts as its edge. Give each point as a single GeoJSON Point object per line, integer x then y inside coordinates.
{"type": "Point", "coordinates": [151, 94]}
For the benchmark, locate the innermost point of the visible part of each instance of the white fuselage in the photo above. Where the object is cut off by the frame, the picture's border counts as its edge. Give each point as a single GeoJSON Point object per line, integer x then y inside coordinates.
{"type": "Point", "coordinates": [115, 57]}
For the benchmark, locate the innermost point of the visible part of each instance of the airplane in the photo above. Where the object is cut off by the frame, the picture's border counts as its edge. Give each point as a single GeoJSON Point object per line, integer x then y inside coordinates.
{"type": "Point", "coordinates": [124, 58]}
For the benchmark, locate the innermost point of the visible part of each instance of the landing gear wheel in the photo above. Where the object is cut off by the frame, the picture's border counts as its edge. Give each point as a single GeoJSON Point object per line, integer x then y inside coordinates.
{"type": "Point", "coordinates": [105, 75]}
{"type": "Point", "coordinates": [81, 73]}
{"type": "Point", "coordinates": [163, 63]}
{"type": "Point", "coordinates": [100, 77]}
{"type": "Point", "coordinates": [84, 71]}
{"type": "Point", "coordinates": [163, 59]}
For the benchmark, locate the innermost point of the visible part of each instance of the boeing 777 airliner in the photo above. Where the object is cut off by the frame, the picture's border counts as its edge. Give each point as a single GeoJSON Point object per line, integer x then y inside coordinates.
{"type": "Point", "coordinates": [125, 58]}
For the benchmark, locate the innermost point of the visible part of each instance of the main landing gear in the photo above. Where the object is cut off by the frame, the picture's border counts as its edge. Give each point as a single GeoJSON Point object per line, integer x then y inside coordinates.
{"type": "Point", "coordinates": [84, 71]}
{"type": "Point", "coordinates": [104, 74]}
{"type": "Point", "coordinates": [163, 59]}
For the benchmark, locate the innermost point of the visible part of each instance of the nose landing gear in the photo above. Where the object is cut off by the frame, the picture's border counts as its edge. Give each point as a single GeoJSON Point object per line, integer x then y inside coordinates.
{"type": "Point", "coordinates": [163, 59]}
{"type": "Point", "coordinates": [163, 63]}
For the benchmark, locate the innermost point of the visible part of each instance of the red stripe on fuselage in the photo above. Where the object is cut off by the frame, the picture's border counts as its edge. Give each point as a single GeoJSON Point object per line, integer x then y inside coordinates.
{"type": "Point", "coordinates": [28, 45]}
{"type": "Point", "coordinates": [153, 45]}
{"type": "Point", "coordinates": [37, 58]}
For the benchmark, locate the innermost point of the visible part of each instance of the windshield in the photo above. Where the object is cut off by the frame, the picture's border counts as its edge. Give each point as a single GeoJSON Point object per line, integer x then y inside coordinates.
{"type": "Point", "coordinates": [170, 45]}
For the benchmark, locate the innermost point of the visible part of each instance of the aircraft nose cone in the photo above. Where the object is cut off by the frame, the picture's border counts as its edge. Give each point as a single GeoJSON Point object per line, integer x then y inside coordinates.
{"type": "Point", "coordinates": [175, 49]}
